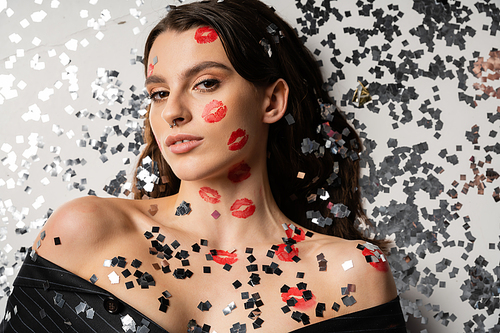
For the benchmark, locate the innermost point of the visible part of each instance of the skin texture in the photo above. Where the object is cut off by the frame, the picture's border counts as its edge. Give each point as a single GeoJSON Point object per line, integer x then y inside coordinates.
{"type": "Point", "coordinates": [94, 229]}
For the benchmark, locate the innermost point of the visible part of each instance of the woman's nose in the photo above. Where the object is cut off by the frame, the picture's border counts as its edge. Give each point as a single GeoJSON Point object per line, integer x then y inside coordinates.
{"type": "Point", "coordinates": [175, 111]}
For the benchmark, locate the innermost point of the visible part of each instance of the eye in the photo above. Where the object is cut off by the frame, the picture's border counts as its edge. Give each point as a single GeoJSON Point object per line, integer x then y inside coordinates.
{"type": "Point", "coordinates": [158, 95]}
{"type": "Point", "coordinates": [207, 85]}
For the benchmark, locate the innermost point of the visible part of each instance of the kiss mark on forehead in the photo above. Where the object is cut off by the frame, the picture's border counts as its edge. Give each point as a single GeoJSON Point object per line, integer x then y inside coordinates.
{"type": "Point", "coordinates": [151, 66]}
{"type": "Point", "coordinates": [205, 35]}
{"type": "Point", "coordinates": [214, 111]}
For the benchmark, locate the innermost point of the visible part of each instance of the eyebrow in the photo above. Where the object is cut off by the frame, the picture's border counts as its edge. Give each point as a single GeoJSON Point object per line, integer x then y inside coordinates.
{"type": "Point", "coordinates": [189, 72]}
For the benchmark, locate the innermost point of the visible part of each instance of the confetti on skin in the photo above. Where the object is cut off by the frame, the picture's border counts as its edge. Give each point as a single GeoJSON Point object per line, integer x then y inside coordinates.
{"type": "Point", "coordinates": [215, 214]}
{"type": "Point", "coordinates": [284, 255]}
{"type": "Point", "coordinates": [205, 35]}
{"type": "Point", "coordinates": [239, 172]}
{"type": "Point", "coordinates": [374, 256]}
{"type": "Point", "coordinates": [57, 241]}
{"type": "Point", "coordinates": [295, 233]}
{"type": "Point", "coordinates": [347, 265]}
{"type": "Point", "coordinates": [214, 112]}
{"type": "Point", "coordinates": [303, 301]}
{"type": "Point", "coordinates": [183, 209]}
{"type": "Point", "coordinates": [153, 209]}
{"type": "Point", "coordinates": [233, 142]}
{"type": "Point", "coordinates": [209, 195]}
{"type": "Point", "coordinates": [246, 212]}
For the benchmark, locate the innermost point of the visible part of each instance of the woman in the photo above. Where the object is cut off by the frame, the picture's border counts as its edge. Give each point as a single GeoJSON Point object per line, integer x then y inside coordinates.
{"type": "Point", "coordinates": [243, 229]}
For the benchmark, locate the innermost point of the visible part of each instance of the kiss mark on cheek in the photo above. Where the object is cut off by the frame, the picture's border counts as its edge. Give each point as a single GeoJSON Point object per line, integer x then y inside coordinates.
{"type": "Point", "coordinates": [151, 68]}
{"type": "Point", "coordinates": [300, 296]}
{"type": "Point", "coordinates": [242, 214]}
{"type": "Point", "coordinates": [209, 195]}
{"type": "Point", "coordinates": [284, 255]}
{"type": "Point", "coordinates": [224, 257]}
{"type": "Point", "coordinates": [234, 143]}
{"type": "Point", "coordinates": [214, 111]}
{"type": "Point", "coordinates": [239, 172]}
{"type": "Point", "coordinates": [205, 35]}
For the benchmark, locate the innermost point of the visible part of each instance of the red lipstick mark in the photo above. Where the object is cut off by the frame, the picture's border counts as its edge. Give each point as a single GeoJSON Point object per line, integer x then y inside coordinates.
{"type": "Point", "coordinates": [233, 143]}
{"type": "Point", "coordinates": [295, 236]}
{"type": "Point", "coordinates": [205, 35]}
{"type": "Point", "coordinates": [224, 257]}
{"type": "Point", "coordinates": [239, 172]}
{"type": "Point", "coordinates": [381, 265]}
{"type": "Point", "coordinates": [242, 214]}
{"type": "Point", "coordinates": [301, 304]}
{"type": "Point", "coordinates": [283, 255]}
{"type": "Point", "coordinates": [214, 111]}
{"type": "Point", "coordinates": [151, 68]}
{"type": "Point", "coordinates": [209, 195]}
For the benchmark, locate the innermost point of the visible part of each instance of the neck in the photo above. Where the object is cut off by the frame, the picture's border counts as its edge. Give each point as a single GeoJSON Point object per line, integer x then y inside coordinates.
{"type": "Point", "coordinates": [230, 214]}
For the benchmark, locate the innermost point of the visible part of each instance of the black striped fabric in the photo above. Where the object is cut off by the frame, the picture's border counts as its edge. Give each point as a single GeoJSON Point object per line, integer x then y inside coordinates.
{"type": "Point", "coordinates": [48, 298]}
{"type": "Point", "coordinates": [386, 317]}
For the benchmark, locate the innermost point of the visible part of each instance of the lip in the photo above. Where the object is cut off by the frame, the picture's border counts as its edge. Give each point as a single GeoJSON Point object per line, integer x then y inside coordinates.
{"type": "Point", "coordinates": [180, 148]}
{"type": "Point", "coordinates": [209, 195]}
{"type": "Point", "coordinates": [215, 116]}
{"type": "Point", "coordinates": [239, 172]}
{"type": "Point", "coordinates": [242, 214]}
{"type": "Point", "coordinates": [233, 143]}
{"type": "Point", "coordinates": [225, 257]}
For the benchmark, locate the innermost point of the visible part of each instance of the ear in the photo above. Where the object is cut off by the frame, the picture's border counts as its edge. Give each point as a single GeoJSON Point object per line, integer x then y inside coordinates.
{"type": "Point", "coordinates": [276, 101]}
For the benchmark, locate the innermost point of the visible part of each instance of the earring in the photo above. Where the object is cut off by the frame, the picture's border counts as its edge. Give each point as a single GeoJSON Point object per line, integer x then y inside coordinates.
{"type": "Point", "coordinates": [172, 125]}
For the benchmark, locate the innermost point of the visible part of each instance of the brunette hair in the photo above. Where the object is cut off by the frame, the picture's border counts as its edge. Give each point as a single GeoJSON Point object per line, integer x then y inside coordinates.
{"type": "Point", "coordinates": [262, 48]}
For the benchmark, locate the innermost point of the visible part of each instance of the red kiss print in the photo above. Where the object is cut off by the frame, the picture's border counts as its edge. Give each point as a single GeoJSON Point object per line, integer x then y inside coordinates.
{"type": "Point", "coordinates": [301, 304]}
{"type": "Point", "coordinates": [239, 172]}
{"type": "Point", "coordinates": [209, 195]}
{"type": "Point", "coordinates": [151, 68]}
{"type": "Point", "coordinates": [296, 237]}
{"type": "Point", "coordinates": [214, 111]}
{"type": "Point", "coordinates": [381, 265]}
{"type": "Point", "coordinates": [205, 35]}
{"type": "Point", "coordinates": [237, 145]}
{"type": "Point", "coordinates": [285, 256]}
{"type": "Point", "coordinates": [242, 214]}
{"type": "Point", "coordinates": [224, 257]}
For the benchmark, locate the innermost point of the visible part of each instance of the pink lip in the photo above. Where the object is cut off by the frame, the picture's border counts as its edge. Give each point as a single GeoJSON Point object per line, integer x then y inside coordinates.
{"type": "Point", "coordinates": [219, 111]}
{"type": "Point", "coordinates": [194, 142]}
{"type": "Point", "coordinates": [242, 214]}
{"type": "Point", "coordinates": [237, 145]}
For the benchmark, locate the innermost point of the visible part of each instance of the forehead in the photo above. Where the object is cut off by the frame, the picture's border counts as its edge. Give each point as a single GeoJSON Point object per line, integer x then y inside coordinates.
{"type": "Point", "coordinates": [180, 49]}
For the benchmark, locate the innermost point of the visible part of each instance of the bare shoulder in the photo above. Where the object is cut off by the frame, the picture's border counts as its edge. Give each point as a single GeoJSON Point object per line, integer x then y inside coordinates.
{"type": "Point", "coordinates": [79, 228]}
{"type": "Point", "coordinates": [360, 264]}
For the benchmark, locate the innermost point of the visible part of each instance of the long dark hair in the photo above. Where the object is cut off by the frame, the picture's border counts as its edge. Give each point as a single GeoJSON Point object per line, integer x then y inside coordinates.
{"type": "Point", "coordinates": [262, 48]}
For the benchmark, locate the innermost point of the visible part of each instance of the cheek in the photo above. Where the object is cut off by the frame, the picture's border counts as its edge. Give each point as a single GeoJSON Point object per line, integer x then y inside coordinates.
{"type": "Point", "coordinates": [237, 140]}
{"type": "Point", "coordinates": [214, 111]}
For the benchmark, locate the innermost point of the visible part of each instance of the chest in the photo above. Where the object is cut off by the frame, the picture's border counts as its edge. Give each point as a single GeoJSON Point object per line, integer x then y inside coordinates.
{"type": "Point", "coordinates": [222, 290]}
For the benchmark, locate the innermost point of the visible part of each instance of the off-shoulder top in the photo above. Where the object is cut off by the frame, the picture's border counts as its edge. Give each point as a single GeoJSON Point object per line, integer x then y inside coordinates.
{"type": "Point", "coordinates": [48, 298]}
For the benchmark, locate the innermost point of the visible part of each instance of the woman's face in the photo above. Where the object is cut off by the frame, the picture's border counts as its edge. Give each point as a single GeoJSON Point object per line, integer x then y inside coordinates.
{"type": "Point", "coordinates": [218, 114]}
